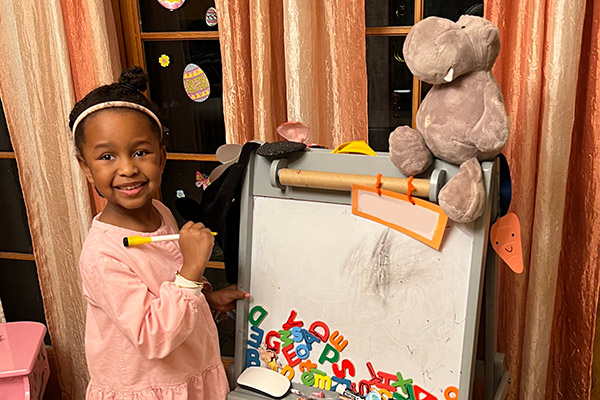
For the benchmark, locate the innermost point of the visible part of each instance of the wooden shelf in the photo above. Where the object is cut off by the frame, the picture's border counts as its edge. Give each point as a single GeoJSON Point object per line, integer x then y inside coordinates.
{"type": "Point", "coordinates": [388, 31]}
{"type": "Point", "coordinates": [173, 36]}
{"type": "Point", "coordinates": [17, 256]}
{"type": "Point", "coordinates": [191, 157]}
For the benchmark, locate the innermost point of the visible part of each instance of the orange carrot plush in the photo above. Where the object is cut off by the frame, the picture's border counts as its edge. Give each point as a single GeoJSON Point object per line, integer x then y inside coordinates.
{"type": "Point", "coordinates": [506, 240]}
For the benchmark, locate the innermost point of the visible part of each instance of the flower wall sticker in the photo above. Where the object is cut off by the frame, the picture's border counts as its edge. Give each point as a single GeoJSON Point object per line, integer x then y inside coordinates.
{"type": "Point", "coordinates": [164, 60]}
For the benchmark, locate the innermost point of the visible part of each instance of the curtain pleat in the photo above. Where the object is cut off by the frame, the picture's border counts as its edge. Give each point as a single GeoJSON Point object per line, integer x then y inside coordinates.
{"type": "Point", "coordinates": [292, 60]}
{"type": "Point", "coordinates": [578, 275]}
{"type": "Point", "coordinates": [538, 70]}
{"type": "Point", "coordinates": [53, 54]}
{"type": "Point", "coordinates": [234, 34]}
{"type": "Point", "coordinates": [519, 73]}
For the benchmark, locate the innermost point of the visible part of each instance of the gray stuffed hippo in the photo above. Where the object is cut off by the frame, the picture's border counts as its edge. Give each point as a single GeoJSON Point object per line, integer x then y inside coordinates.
{"type": "Point", "coordinates": [462, 120]}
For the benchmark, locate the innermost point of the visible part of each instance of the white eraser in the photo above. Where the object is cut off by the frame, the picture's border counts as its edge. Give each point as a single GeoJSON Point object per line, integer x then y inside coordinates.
{"type": "Point", "coordinates": [265, 381]}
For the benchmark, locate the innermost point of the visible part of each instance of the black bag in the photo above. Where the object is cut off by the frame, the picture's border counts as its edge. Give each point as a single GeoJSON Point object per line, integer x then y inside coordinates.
{"type": "Point", "coordinates": [219, 209]}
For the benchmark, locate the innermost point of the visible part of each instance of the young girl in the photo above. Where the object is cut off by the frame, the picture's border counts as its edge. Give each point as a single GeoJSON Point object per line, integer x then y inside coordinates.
{"type": "Point", "coordinates": [149, 332]}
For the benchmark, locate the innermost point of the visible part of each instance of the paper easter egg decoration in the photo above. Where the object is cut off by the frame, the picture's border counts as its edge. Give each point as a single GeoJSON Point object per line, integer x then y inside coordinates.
{"type": "Point", "coordinates": [505, 236]}
{"type": "Point", "coordinates": [211, 16]}
{"type": "Point", "coordinates": [171, 4]}
{"type": "Point", "coordinates": [195, 83]}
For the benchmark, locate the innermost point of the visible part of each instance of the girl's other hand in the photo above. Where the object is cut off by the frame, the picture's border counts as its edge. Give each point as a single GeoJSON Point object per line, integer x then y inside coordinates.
{"type": "Point", "coordinates": [224, 299]}
{"type": "Point", "coordinates": [196, 243]}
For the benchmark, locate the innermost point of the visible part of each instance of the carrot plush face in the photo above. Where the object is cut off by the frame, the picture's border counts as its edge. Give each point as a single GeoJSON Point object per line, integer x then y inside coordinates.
{"type": "Point", "coordinates": [506, 241]}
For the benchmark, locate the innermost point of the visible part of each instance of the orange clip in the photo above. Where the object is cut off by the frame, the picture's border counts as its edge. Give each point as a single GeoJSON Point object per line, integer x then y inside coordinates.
{"type": "Point", "coordinates": [378, 184]}
{"type": "Point", "coordinates": [410, 189]}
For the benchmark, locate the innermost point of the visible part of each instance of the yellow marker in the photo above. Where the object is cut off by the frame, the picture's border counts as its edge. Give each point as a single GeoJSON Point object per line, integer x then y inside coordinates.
{"type": "Point", "coordinates": [129, 241]}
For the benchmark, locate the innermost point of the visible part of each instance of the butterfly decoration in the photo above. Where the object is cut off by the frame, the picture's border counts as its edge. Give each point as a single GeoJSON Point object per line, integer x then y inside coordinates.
{"type": "Point", "coordinates": [202, 180]}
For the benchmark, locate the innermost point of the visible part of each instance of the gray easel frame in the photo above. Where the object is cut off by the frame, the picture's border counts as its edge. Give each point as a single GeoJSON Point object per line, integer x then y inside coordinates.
{"type": "Point", "coordinates": [261, 179]}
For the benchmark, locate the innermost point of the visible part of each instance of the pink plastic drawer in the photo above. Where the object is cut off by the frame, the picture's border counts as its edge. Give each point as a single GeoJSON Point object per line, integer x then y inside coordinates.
{"type": "Point", "coordinates": [24, 366]}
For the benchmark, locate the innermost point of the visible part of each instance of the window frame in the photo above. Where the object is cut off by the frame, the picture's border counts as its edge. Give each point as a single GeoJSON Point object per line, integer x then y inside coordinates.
{"type": "Point", "coordinates": [10, 155]}
{"type": "Point", "coordinates": [389, 31]}
{"type": "Point", "coordinates": [129, 31]}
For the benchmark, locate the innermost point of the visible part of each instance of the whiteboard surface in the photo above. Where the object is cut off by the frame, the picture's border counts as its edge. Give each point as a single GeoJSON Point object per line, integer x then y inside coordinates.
{"type": "Point", "coordinates": [400, 304]}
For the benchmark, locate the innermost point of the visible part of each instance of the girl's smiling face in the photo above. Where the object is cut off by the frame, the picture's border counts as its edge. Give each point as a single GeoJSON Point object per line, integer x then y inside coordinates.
{"type": "Point", "coordinates": [122, 157]}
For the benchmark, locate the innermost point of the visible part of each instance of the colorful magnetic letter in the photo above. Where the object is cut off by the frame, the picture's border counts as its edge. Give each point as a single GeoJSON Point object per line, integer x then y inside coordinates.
{"type": "Point", "coordinates": [418, 391]}
{"type": "Point", "coordinates": [307, 366]}
{"type": "Point", "coordinates": [269, 342]}
{"type": "Point", "coordinates": [313, 329]}
{"type": "Point", "coordinates": [346, 366]}
{"type": "Point", "coordinates": [285, 338]}
{"type": "Point", "coordinates": [257, 336]}
{"type": "Point", "coordinates": [310, 339]}
{"type": "Point", "coordinates": [402, 383]}
{"type": "Point", "coordinates": [290, 322]}
{"type": "Point", "coordinates": [302, 351]}
{"type": "Point", "coordinates": [262, 314]}
{"type": "Point", "coordinates": [322, 381]}
{"type": "Point", "coordinates": [288, 372]}
{"type": "Point", "coordinates": [290, 355]}
{"type": "Point", "coordinates": [326, 357]}
{"type": "Point", "coordinates": [252, 358]}
{"type": "Point", "coordinates": [338, 341]}
{"type": "Point", "coordinates": [308, 378]}
{"type": "Point", "coordinates": [297, 334]}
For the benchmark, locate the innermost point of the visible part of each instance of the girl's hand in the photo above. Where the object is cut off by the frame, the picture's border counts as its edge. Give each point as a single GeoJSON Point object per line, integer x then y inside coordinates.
{"type": "Point", "coordinates": [224, 299]}
{"type": "Point", "coordinates": [196, 244]}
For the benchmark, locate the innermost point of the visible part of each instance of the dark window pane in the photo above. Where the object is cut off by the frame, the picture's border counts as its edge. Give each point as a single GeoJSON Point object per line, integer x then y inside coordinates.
{"type": "Point", "coordinates": [20, 292]}
{"type": "Point", "coordinates": [390, 89]}
{"type": "Point", "coordinates": [5, 144]}
{"type": "Point", "coordinates": [194, 127]}
{"type": "Point", "coordinates": [189, 17]}
{"type": "Point", "coordinates": [452, 9]}
{"type": "Point", "coordinates": [389, 12]}
{"type": "Point", "coordinates": [425, 88]}
{"type": "Point", "coordinates": [14, 235]}
{"type": "Point", "coordinates": [181, 176]}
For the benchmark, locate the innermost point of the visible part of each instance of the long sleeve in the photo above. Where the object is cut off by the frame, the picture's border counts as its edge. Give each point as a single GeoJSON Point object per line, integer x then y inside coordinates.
{"type": "Point", "coordinates": [155, 324]}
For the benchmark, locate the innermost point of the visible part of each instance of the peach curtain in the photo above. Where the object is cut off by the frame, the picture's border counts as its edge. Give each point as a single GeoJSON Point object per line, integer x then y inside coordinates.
{"type": "Point", "coordinates": [38, 89]}
{"type": "Point", "coordinates": [547, 314]}
{"type": "Point", "coordinates": [294, 60]}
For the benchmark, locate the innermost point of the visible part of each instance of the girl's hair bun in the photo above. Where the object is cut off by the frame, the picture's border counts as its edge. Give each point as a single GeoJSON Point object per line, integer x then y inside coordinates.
{"type": "Point", "coordinates": [134, 77]}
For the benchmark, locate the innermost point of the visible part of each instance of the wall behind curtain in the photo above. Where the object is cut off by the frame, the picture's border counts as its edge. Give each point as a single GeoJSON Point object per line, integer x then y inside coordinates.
{"type": "Point", "coordinates": [38, 88]}
{"type": "Point", "coordinates": [316, 74]}
{"type": "Point", "coordinates": [551, 154]}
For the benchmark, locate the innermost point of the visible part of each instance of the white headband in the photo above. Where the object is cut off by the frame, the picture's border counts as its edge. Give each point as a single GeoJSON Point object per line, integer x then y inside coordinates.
{"type": "Point", "coordinates": [116, 104]}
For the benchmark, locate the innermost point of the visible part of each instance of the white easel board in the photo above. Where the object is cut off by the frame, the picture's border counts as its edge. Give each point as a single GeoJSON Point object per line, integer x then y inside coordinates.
{"type": "Point", "coordinates": [316, 272]}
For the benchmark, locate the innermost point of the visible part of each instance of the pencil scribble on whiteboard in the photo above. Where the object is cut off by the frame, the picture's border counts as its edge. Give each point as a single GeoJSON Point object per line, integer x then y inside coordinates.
{"type": "Point", "coordinates": [370, 265]}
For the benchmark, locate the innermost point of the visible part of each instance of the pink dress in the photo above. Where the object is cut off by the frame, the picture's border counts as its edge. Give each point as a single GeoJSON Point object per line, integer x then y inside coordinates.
{"type": "Point", "coordinates": [145, 337]}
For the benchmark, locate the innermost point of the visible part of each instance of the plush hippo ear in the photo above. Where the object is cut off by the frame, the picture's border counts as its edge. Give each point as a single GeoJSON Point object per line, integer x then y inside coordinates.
{"type": "Point", "coordinates": [484, 37]}
{"type": "Point", "coordinates": [294, 131]}
{"type": "Point", "coordinates": [492, 38]}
